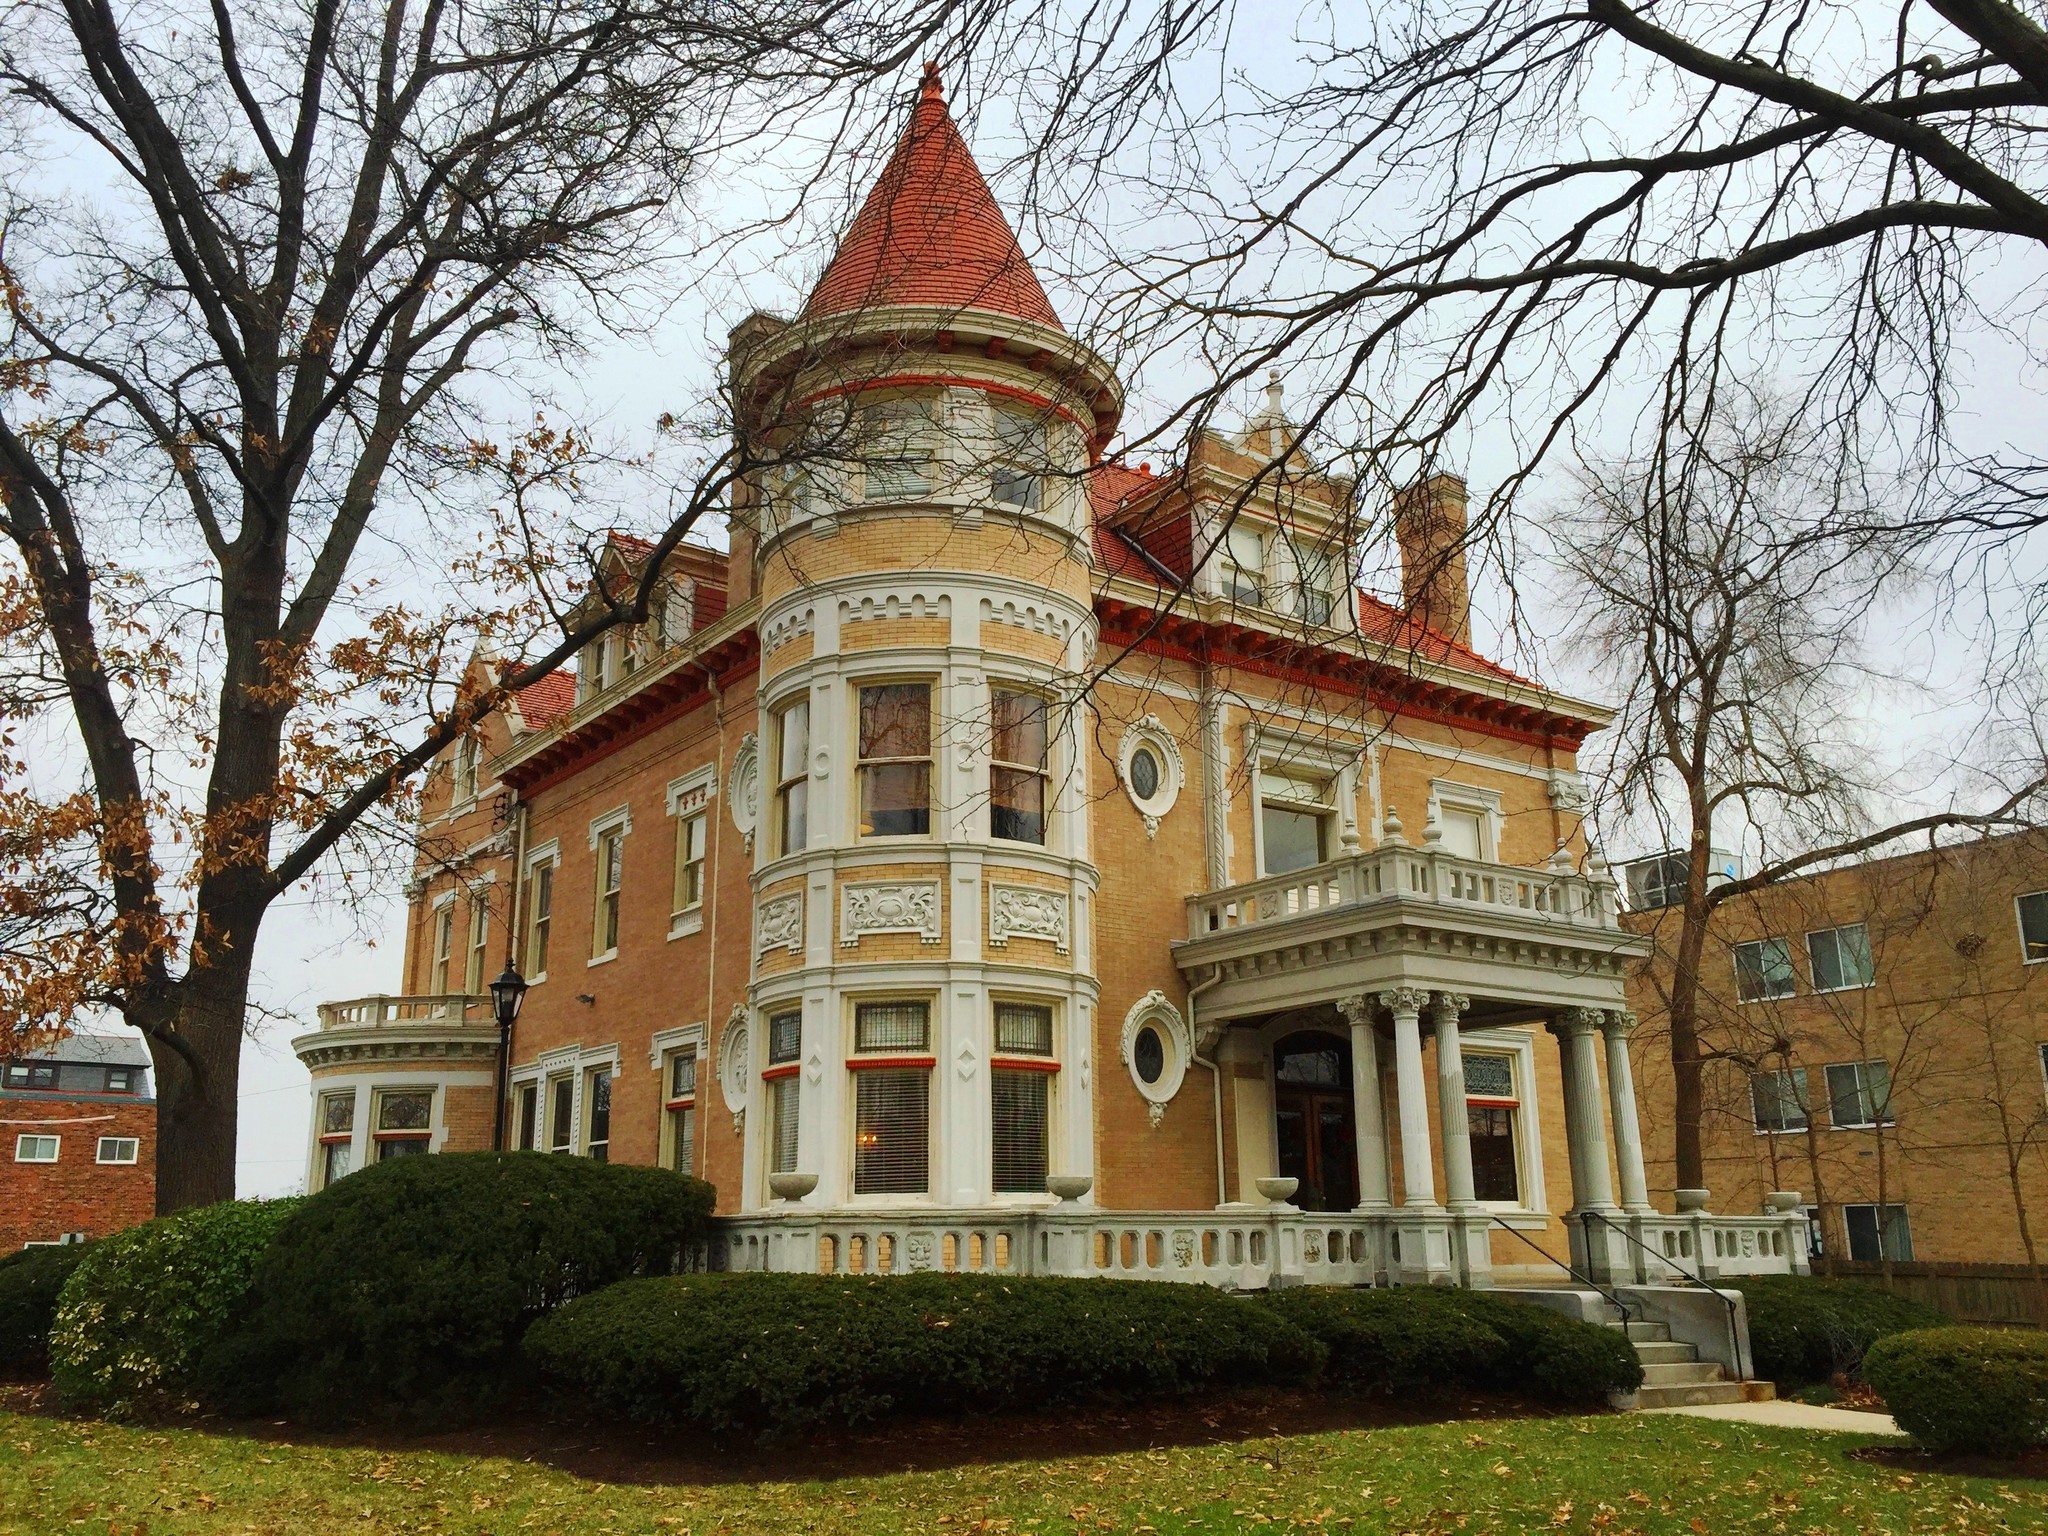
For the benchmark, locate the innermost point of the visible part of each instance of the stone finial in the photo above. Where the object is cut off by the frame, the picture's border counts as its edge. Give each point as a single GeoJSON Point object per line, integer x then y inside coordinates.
{"type": "Point", "coordinates": [1433, 828]}
{"type": "Point", "coordinates": [1391, 830]}
{"type": "Point", "coordinates": [1561, 860]}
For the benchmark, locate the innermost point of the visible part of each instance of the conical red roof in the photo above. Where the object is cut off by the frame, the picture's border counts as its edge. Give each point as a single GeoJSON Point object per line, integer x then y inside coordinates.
{"type": "Point", "coordinates": [931, 233]}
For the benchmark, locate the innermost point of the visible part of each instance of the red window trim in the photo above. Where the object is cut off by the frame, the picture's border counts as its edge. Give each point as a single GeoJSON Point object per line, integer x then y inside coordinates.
{"type": "Point", "coordinates": [687, 1101]}
{"type": "Point", "coordinates": [1490, 1103]}
{"type": "Point", "coordinates": [401, 1135]}
{"type": "Point", "coordinates": [787, 1069]}
{"type": "Point", "coordinates": [327, 1136]}
{"type": "Point", "coordinates": [867, 1063]}
{"type": "Point", "coordinates": [1022, 1064]}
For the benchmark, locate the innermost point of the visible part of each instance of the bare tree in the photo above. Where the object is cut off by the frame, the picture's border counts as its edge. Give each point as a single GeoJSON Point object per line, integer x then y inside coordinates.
{"type": "Point", "coordinates": [268, 277]}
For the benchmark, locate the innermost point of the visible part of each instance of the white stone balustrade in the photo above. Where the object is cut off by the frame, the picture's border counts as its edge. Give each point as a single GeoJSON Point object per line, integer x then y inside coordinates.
{"type": "Point", "coordinates": [446, 1008]}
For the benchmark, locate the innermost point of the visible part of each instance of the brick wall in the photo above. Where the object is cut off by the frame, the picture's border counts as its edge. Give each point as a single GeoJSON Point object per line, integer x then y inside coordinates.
{"type": "Point", "coordinates": [40, 1202]}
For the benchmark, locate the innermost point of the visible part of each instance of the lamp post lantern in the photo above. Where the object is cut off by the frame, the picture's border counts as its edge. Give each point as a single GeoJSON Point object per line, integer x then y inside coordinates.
{"type": "Point", "coordinates": [507, 993]}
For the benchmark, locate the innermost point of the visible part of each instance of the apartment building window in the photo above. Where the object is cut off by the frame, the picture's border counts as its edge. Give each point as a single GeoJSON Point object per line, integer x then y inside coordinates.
{"type": "Point", "coordinates": [1493, 1112]}
{"type": "Point", "coordinates": [2033, 914]}
{"type": "Point", "coordinates": [679, 1111]}
{"type": "Point", "coordinates": [1020, 1090]}
{"type": "Point", "coordinates": [895, 760]}
{"type": "Point", "coordinates": [1020, 454]}
{"type": "Point", "coordinates": [898, 456]}
{"type": "Point", "coordinates": [36, 1149]}
{"type": "Point", "coordinates": [1878, 1232]}
{"type": "Point", "coordinates": [792, 775]}
{"type": "Point", "coordinates": [473, 972]}
{"type": "Point", "coordinates": [1296, 814]}
{"type": "Point", "coordinates": [562, 1114]}
{"type": "Point", "coordinates": [891, 1098]}
{"type": "Point", "coordinates": [689, 882]}
{"type": "Point", "coordinates": [540, 916]}
{"type": "Point", "coordinates": [404, 1122]}
{"type": "Point", "coordinates": [1244, 564]}
{"type": "Point", "coordinates": [1859, 1095]}
{"type": "Point", "coordinates": [120, 1150]}
{"type": "Point", "coordinates": [120, 1079]}
{"type": "Point", "coordinates": [444, 944]}
{"type": "Point", "coordinates": [526, 1117]}
{"type": "Point", "coordinates": [785, 1044]}
{"type": "Point", "coordinates": [1018, 774]}
{"type": "Point", "coordinates": [337, 1136]}
{"type": "Point", "coordinates": [1840, 958]}
{"type": "Point", "coordinates": [611, 881]}
{"type": "Point", "coordinates": [31, 1074]}
{"type": "Point", "coordinates": [1763, 970]}
{"type": "Point", "coordinates": [467, 754]}
{"type": "Point", "coordinates": [597, 1113]}
{"type": "Point", "coordinates": [1777, 1101]}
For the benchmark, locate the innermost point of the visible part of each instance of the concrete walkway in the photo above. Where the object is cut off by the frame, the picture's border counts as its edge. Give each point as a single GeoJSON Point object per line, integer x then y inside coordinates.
{"type": "Point", "coordinates": [1782, 1415]}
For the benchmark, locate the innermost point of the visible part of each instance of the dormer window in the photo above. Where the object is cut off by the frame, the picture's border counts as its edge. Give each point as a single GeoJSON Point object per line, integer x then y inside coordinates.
{"type": "Point", "coordinates": [1244, 564]}
{"type": "Point", "coordinates": [897, 460]}
{"type": "Point", "coordinates": [466, 756]}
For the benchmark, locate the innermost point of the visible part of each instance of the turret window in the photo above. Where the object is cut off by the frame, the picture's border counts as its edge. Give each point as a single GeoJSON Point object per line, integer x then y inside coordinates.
{"type": "Point", "coordinates": [898, 457]}
{"type": "Point", "coordinates": [895, 767]}
{"type": "Point", "coordinates": [792, 775]}
{"type": "Point", "coordinates": [1244, 564]}
{"type": "Point", "coordinates": [1020, 456]}
{"type": "Point", "coordinates": [1017, 775]}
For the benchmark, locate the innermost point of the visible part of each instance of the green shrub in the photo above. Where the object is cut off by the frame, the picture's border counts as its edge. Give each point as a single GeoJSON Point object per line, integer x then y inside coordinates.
{"type": "Point", "coordinates": [781, 1352]}
{"type": "Point", "coordinates": [1808, 1330]}
{"type": "Point", "coordinates": [144, 1305]}
{"type": "Point", "coordinates": [1417, 1338]}
{"type": "Point", "coordinates": [29, 1283]}
{"type": "Point", "coordinates": [1965, 1389]}
{"type": "Point", "coordinates": [405, 1288]}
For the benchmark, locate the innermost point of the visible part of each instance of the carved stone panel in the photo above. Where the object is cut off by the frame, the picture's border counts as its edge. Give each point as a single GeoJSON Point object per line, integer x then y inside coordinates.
{"type": "Point", "coordinates": [889, 906]}
{"type": "Point", "coordinates": [1029, 912]}
{"type": "Point", "coordinates": [780, 923]}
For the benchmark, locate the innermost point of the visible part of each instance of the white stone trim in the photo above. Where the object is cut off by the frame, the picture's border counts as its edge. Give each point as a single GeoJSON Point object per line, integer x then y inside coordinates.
{"type": "Point", "coordinates": [1030, 912]}
{"type": "Point", "coordinates": [743, 800]}
{"type": "Point", "coordinates": [617, 819]}
{"type": "Point", "coordinates": [1149, 731]}
{"type": "Point", "coordinates": [1520, 1046]}
{"type": "Point", "coordinates": [890, 906]}
{"type": "Point", "coordinates": [779, 922]}
{"type": "Point", "coordinates": [694, 791]}
{"type": "Point", "coordinates": [663, 1041]}
{"type": "Point", "coordinates": [1157, 1010]}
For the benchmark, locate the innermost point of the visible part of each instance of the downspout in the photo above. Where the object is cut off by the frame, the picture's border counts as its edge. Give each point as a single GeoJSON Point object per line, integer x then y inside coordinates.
{"type": "Point", "coordinates": [1215, 1072]}
{"type": "Point", "coordinates": [512, 914]}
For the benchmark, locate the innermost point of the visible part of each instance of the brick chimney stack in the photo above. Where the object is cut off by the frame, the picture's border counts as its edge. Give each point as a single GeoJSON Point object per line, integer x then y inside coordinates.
{"type": "Point", "coordinates": [1429, 522]}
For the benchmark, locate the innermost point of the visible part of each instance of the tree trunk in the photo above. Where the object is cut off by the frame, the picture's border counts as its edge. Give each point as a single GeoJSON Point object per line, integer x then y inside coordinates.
{"type": "Point", "coordinates": [197, 1053]}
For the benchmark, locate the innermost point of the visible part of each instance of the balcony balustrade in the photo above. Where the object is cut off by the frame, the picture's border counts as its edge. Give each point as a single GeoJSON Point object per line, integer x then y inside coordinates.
{"type": "Point", "coordinates": [444, 1008]}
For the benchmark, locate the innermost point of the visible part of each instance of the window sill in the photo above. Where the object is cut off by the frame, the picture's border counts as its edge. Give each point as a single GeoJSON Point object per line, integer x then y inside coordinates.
{"type": "Point", "coordinates": [1854, 986]}
{"type": "Point", "coordinates": [1865, 1125]}
{"type": "Point", "coordinates": [604, 959]}
{"type": "Point", "coordinates": [1776, 997]}
{"type": "Point", "coordinates": [683, 924]}
{"type": "Point", "coordinates": [1779, 1130]}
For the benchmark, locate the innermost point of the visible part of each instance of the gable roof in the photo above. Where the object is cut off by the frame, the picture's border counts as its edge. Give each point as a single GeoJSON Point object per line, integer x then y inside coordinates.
{"type": "Point", "coordinates": [931, 233]}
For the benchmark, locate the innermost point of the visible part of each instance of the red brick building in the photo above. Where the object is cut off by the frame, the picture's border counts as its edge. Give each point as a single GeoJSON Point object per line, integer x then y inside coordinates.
{"type": "Point", "coordinates": [78, 1154]}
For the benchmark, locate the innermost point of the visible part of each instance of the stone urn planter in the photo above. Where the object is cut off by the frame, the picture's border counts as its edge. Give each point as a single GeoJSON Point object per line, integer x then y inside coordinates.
{"type": "Point", "coordinates": [791, 1186]}
{"type": "Point", "coordinates": [1278, 1191]}
{"type": "Point", "coordinates": [1068, 1186]}
{"type": "Point", "coordinates": [1784, 1201]}
{"type": "Point", "coordinates": [1691, 1201]}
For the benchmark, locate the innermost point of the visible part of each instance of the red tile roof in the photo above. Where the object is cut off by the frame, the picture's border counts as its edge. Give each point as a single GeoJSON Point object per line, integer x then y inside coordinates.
{"type": "Point", "coordinates": [544, 702]}
{"type": "Point", "coordinates": [931, 233]}
{"type": "Point", "coordinates": [1381, 623]}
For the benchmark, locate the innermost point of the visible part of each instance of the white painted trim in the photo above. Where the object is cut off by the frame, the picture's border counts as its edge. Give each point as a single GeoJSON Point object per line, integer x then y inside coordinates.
{"type": "Point", "coordinates": [663, 1041]}
{"type": "Point", "coordinates": [694, 791]}
{"type": "Point", "coordinates": [618, 819]}
{"type": "Point", "coordinates": [1157, 1010]}
{"type": "Point", "coordinates": [1520, 1046]}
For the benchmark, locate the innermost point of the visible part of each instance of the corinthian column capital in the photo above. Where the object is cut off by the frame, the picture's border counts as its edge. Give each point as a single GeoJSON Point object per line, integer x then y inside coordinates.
{"type": "Point", "coordinates": [1405, 1002]}
{"type": "Point", "coordinates": [1619, 1021]}
{"type": "Point", "coordinates": [1577, 1021]}
{"type": "Point", "coordinates": [1357, 1010]}
{"type": "Point", "coordinates": [1448, 1007]}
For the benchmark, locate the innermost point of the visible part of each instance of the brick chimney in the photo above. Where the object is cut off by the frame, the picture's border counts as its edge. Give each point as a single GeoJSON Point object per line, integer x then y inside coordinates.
{"type": "Point", "coordinates": [1429, 522]}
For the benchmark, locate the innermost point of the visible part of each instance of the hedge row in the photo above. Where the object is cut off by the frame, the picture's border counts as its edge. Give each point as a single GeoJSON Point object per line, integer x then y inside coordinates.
{"type": "Point", "coordinates": [1804, 1330]}
{"type": "Point", "coordinates": [29, 1285]}
{"type": "Point", "coordinates": [1965, 1389]}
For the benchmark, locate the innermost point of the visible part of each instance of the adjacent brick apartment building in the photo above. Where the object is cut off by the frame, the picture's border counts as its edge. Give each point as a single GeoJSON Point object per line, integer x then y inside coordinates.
{"type": "Point", "coordinates": [1883, 1040]}
{"type": "Point", "coordinates": [1005, 858]}
{"type": "Point", "coordinates": [77, 1141]}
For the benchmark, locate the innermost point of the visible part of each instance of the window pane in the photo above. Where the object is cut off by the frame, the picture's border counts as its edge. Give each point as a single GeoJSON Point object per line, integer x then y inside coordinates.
{"type": "Point", "coordinates": [785, 1038]}
{"type": "Point", "coordinates": [336, 1159]}
{"type": "Point", "coordinates": [543, 910]}
{"type": "Point", "coordinates": [529, 1117]}
{"type": "Point", "coordinates": [2034, 926]}
{"type": "Point", "coordinates": [1014, 488]}
{"type": "Point", "coordinates": [405, 1111]}
{"type": "Point", "coordinates": [1840, 957]}
{"type": "Point", "coordinates": [1023, 1029]}
{"type": "Point", "coordinates": [896, 721]}
{"type": "Point", "coordinates": [401, 1146]}
{"type": "Point", "coordinates": [682, 1074]}
{"type": "Point", "coordinates": [1763, 969]}
{"type": "Point", "coordinates": [1293, 839]}
{"type": "Point", "coordinates": [796, 740]}
{"type": "Point", "coordinates": [1016, 805]}
{"type": "Point", "coordinates": [337, 1113]}
{"type": "Point", "coordinates": [1489, 1077]}
{"type": "Point", "coordinates": [682, 1149]}
{"type": "Point", "coordinates": [1778, 1101]}
{"type": "Point", "coordinates": [796, 800]}
{"type": "Point", "coordinates": [561, 1127]}
{"type": "Point", "coordinates": [1247, 546]}
{"type": "Point", "coordinates": [1463, 835]}
{"type": "Point", "coordinates": [1493, 1152]}
{"type": "Point", "coordinates": [600, 1093]}
{"type": "Point", "coordinates": [783, 1110]}
{"type": "Point", "coordinates": [895, 799]}
{"type": "Point", "coordinates": [1020, 1105]}
{"type": "Point", "coordinates": [891, 1132]}
{"type": "Point", "coordinates": [891, 1027]}
{"type": "Point", "coordinates": [897, 479]}
{"type": "Point", "coordinates": [1018, 733]}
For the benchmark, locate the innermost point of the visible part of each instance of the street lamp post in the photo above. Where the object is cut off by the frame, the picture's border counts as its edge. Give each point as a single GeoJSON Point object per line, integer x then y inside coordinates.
{"type": "Point", "coordinates": [507, 993]}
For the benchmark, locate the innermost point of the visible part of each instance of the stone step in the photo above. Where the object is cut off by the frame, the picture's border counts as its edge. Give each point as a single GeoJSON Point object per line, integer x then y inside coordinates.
{"type": "Point", "coordinates": [1680, 1373]}
{"type": "Point", "coordinates": [1663, 1352]}
{"type": "Point", "coordinates": [1653, 1333]}
{"type": "Point", "coordinates": [1693, 1394]}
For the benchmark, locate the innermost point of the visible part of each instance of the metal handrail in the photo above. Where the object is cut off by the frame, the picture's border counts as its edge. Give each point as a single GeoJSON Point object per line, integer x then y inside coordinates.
{"type": "Point", "coordinates": [1612, 1300]}
{"type": "Point", "coordinates": [1726, 1298]}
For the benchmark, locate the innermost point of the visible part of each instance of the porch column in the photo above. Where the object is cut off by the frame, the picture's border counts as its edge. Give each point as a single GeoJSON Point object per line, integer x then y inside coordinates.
{"type": "Point", "coordinates": [1368, 1114]}
{"type": "Point", "coordinates": [1418, 1187]}
{"type": "Point", "coordinates": [1445, 1007]}
{"type": "Point", "coordinates": [1618, 1025]}
{"type": "Point", "coordinates": [1591, 1186]}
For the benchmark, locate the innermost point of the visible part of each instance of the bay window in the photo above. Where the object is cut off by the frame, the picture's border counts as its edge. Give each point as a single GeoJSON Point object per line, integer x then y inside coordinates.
{"type": "Point", "coordinates": [897, 450]}
{"type": "Point", "coordinates": [895, 760]}
{"type": "Point", "coordinates": [785, 1044]}
{"type": "Point", "coordinates": [891, 1098]}
{"type": "Point", "coordinates": [792, 775]}
{"type": "Point", "coordinates": [1244, 564]}
{"type": "Point", "coordinates": [1319, 583]}
{"type": "Point", "coordinates": [1020, 1089]}
{"type": "Point", "coordinates": [403, 1123]}
{"type": "Point", "coordinates": [337, 1136]}
{"type": "Point", "coordinates": [1017, 776]}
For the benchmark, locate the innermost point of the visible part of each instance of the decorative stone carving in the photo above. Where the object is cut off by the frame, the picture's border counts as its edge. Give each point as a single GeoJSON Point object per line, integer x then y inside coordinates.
{"type": "Point", "coordinates": [735, 1065]}
{"type": "Point", "coordinates": [1454, 1004]}
{"type": "Point", "coordinates": [780, 923]}
{"type": "Point", "coordinates": [1027, 911]}
{"type": "Point", "coordinates": [1155, 1012]}
{"type": "Point", "coordinates": [963, 1061]}
{"type": "Point", "coordinates": [1408, 1000]}
{"type": "Point", "coordinates": [1152, 791]}
{"type": "Point", "coordinates": [917, 1251]}
{"type": "Point", "coordinates": [889, 906]}
{"type": "Point", "coordinates": [1184, 1249]}
{"type": "Point", "coordinates": [1567, 791]}
{"type": "Point", "coordinates": [744, 782]}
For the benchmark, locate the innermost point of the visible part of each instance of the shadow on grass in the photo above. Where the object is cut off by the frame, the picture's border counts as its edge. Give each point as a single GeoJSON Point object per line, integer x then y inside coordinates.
{"type": "Point", "coordinates": [2031, 1466]}
{"type": "Point", "coordinates": [618, 1451]}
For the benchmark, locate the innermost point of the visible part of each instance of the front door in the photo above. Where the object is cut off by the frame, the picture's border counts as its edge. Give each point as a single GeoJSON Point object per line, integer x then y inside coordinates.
{"type": "Point", "coordinates": [1312, 1108]}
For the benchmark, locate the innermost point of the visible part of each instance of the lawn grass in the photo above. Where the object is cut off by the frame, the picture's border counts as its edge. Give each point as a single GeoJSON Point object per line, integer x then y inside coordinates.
{"type": "Point", "coordinates": [1610, 1475]}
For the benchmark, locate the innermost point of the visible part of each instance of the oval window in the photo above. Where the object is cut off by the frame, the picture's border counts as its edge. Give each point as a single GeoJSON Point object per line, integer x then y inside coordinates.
{"type": "Point", "coordinates": [1148, 1052]}
{"type": "Point", "coordinates": [1144, 773]}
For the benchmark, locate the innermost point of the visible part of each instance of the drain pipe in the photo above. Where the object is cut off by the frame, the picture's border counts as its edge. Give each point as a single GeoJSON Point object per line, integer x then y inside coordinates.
{"type": "Point", "coordinates": [1215, 1072]}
